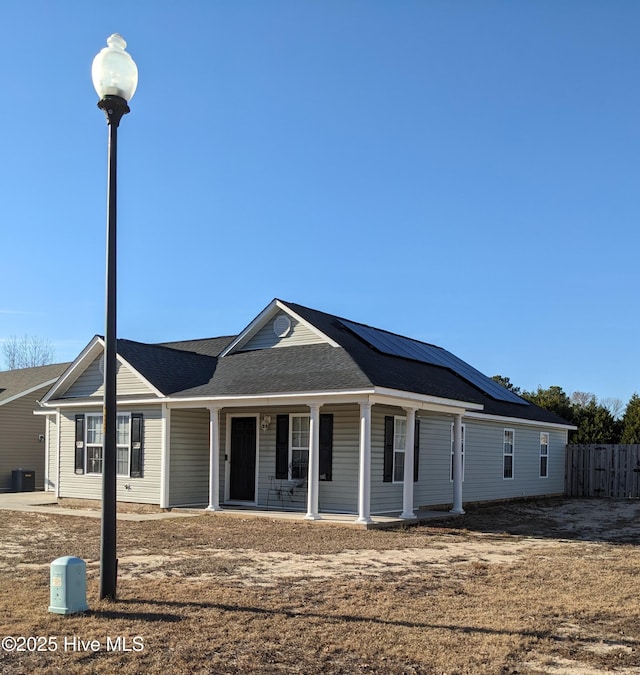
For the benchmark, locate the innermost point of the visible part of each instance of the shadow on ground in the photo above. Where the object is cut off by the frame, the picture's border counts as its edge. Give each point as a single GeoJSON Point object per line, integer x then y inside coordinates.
{"type": "Point", "coordinates": [606, 520]}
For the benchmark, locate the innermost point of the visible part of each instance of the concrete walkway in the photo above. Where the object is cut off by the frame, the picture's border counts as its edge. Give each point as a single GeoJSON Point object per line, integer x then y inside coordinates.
{"type": "Point", "coordinates": [45, 502]}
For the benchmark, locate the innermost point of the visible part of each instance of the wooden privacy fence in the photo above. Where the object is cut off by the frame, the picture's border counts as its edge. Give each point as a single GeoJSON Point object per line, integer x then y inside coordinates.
{"type": "Point", "coordinates": [603, 471]}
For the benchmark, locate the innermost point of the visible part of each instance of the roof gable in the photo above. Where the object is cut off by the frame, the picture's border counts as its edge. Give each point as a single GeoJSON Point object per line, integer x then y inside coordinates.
{"type": "Point", "coordinates": [278, 325]}
{"type": "Point", "coordinates": [85, 376]}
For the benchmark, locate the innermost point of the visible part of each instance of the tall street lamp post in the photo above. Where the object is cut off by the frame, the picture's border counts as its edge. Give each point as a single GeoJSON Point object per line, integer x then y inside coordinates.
{"type": "Point", "coordinates": [115, 77]}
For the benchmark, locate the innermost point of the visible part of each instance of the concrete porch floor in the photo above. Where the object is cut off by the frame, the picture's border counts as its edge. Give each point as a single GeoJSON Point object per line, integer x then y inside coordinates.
{"type": "Point", "coordinates": [46, 502]}
{"type": "Point", "coordinates": [379, 521]}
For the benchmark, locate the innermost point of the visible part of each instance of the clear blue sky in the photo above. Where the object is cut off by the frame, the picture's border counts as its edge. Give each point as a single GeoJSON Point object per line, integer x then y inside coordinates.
{"type": "Point", "coordinates": [463, 172]}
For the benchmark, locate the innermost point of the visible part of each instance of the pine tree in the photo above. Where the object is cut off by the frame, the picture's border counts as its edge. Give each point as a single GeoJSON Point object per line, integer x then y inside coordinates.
{"type": "Point", "coordinates": [631, 421]}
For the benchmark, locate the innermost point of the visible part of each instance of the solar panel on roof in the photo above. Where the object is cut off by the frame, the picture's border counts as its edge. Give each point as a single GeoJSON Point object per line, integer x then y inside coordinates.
{"type": "Point", "coordinates": [397, 345]}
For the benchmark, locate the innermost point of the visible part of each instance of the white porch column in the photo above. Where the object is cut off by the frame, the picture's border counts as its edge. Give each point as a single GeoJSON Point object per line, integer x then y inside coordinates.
{"type": "Point", "coordinates": [165, 456]}
{"type": "Point", "coordinates": [314, 463]}
{"type": "Point", "coordinates": [364, 485]}
{"type": "Point", "coordinates": [407, 486]}
{"type": "Point", "coordinates": [457, 466]}
{"type": "Point", "coordinates": [214, 459]}
{"type": "Point", "coordinates": [58, 452]}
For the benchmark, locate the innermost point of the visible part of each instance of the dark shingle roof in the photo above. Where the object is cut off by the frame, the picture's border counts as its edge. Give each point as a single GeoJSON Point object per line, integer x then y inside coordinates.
{"type": "Point", "coordinates": [206, 346]}
{"type": "Point", "coordinates": [14, 382]}
{"type": "Point", "coordinates": [169, 370]}
{"type": "Point", "coordinates": [193, 368]}
{"type": "Point", "coordinates": [407, 375]}
{"type": "Point", "coordinates": [294, 369]}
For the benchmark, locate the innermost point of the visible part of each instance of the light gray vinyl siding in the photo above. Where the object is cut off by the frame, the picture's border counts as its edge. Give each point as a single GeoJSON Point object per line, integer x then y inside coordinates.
{"type": "Point", "coordinates": [385, 497]}
{"type": "Point", "coordinates": [483, 462]}
{"type": "Point", "coordinates": [20, 447]}
{"type": "Point", "coordinates": [434, 485]}
{"type": "Point", "coordinates": [144, 490]}
{"type": "Point", "coordinates": [339, 494]}
{"type": "Point", "coordinates": [91, 383]}
{"type": "Point", "coordinates": [51, 478]}
{"type": "Point", "coordinates": [189, 458]}
{"type": "Point", "coordinates": [266, 338]}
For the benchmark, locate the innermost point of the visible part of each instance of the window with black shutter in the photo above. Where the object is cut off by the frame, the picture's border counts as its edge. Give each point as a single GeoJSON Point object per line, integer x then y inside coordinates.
{"type": "Point", "coordinates": [394, 444]}
{"type": "Point", "coordinates": [388, 449]}
{"type": "Point", "coordinates": [282, 446]}
{"type": "Point", "coordinates": [137, 434]}
{"type": "Point", "coordinates": [326, 446]}
{"type": "Point", "coordinates": [79, 445]}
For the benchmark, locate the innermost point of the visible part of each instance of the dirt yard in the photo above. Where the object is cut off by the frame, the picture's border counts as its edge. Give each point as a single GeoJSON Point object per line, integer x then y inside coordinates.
{"type": "Point", "coordinates": [534, 587]}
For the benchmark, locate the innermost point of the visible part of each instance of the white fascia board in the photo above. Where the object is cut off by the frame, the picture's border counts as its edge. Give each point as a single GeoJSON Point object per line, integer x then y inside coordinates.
{"type": "Point", "coordinates": [520, 420]}
{"type": "Point", "coordinates": [287, 398]}
{"type": "Point", "coordinates": [84, 359]}
{"type": "Point", "coordinates": [74, 371]}
{"type": "Point", "coordinates": [99, 402]}
{"type": "Point", "coordinates": [265, 315]}
{"type": "Point", "coordinates": [373, 395]}
{"type": "Point", "coordinates": [397, 397]}
{"type": "Point", "coordinates": [252, 328]}
{"type": "Point", "coordinates": [26, 392]}
{"type": "Point", "coordinates": [308, 325]}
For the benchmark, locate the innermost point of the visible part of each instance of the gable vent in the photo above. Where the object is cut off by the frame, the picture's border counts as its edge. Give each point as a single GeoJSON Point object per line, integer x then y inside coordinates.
{"type": "Point", "coordinates": [282, 326]}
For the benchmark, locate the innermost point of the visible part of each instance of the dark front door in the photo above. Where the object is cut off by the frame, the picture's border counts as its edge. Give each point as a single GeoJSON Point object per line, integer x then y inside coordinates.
{"type": "Point", "coordinates": [242, 472]}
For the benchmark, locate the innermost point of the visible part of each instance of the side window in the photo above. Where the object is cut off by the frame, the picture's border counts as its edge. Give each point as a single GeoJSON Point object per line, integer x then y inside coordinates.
{"type": "Point", "coordinates": [507, 454]}
{"type": "Point", "coordinates": [544, 454]}
{"type": "Point", "coordinates": [395, 441]}
{"type": "Point", "coordinates": [399, 445]}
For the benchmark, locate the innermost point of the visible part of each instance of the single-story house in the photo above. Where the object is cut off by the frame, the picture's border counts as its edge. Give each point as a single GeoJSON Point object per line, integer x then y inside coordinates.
{"type": "Point", "coordinates": [23, 439]}
{"type": "Point", "coordinates": [301, 410]}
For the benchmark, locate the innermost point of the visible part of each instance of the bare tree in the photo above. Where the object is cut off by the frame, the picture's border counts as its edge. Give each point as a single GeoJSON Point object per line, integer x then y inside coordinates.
{"type": "Point", "coordinates": [582, 398]}
{"type": "Point", "coordinates": [27, 352]}
{"type": "Point", "coordinates": [614, 405]}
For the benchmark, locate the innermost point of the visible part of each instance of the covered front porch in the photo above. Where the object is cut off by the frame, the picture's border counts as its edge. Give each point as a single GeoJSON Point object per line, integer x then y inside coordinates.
{"type": "Point", "coordinates": [321, 459]}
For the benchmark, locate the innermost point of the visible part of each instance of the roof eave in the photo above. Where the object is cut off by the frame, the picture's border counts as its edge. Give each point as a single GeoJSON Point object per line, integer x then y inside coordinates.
{"type": "Point", "coordinates": [384, 395]}
{"type": "Point", "coordinates": [26, 392]}
{"type": "Point", "coordinates": [521, 420]}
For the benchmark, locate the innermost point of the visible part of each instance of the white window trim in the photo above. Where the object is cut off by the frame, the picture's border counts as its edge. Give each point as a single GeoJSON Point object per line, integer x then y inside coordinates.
{"type": "Point", "coordinates": [92, 445]}
{"type": "Point", "coordinates": [95, 445]}
{"type": "Point", "coordinates": [545, 454]}
{"type": "Point", "coordinates": [396, 419]}
{"type": "Point", "coordinates": [128, 446]}
{"type": "Point", "coordinates": [291, 447]}
{"type": "Point", "coordinates": [451, 463]}
{"type": "Point", "coordinates": [509, 454]}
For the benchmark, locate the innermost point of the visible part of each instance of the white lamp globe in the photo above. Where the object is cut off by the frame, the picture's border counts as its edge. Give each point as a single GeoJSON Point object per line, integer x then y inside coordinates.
{"type": "Point", "coordinates": [114, 72]}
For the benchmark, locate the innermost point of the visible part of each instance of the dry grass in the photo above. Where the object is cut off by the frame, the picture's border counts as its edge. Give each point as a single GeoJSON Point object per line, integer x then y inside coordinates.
{"type": "Point", "coordinates": [518, 588]}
